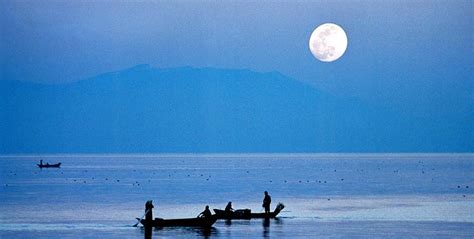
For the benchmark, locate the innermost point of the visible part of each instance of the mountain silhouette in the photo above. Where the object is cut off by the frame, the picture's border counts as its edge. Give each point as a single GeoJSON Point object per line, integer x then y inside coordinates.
{"type": "Point", "coordinates": [149, 110]}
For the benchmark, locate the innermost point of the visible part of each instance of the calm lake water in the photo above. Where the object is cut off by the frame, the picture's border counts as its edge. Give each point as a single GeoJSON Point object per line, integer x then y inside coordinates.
{"type": "Point", "coordinates": [326, 195]}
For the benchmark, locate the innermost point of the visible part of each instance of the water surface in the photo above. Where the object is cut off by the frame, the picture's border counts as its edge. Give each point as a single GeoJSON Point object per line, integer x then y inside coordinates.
{"type": "Point", "coordinates": [326, 195]}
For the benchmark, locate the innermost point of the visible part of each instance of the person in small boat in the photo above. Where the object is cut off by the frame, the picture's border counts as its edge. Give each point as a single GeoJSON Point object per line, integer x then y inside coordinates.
{"type": "Point", "coordinates": [228, 208]}
{"type": "Point", "coordinates": [41, 162]}
{"type": "Point", "coordinates": [206, 212]}
{"type": "Point", "coordinates": [267, 200]}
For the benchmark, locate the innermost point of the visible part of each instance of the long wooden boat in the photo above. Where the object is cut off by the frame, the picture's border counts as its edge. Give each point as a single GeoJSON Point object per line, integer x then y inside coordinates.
{"type": "Point", "coordinates": [247, 214]}
{"type": "Point", "coordinates": [204, 222]}
{"type": "Point", "coordinates": [47, 165]}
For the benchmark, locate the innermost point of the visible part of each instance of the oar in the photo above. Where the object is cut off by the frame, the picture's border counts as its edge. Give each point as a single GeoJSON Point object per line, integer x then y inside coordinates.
{"type": "Point", "coordinates": [139, 219]}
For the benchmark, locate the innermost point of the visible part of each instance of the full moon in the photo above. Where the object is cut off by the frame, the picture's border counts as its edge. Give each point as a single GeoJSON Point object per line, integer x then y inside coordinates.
{"type": "Point", "coordinates": [328, 42]}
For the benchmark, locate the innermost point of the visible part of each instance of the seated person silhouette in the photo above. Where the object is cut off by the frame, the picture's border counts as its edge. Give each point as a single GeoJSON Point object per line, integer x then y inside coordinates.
{"type": "Point", "coordinates": [228, 208]}
{"type": "Point", "coordinates": [206, 213]}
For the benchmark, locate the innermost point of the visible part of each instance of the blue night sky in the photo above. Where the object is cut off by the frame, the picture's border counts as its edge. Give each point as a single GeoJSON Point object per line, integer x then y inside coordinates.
{"type": "Point", "coordinates": [413, 56]}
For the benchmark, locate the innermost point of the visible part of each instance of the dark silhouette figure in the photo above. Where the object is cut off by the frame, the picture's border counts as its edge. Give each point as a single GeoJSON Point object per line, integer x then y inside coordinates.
{"type": "Point", "coordinates": [149, 211]}
{"type": "Point", "coordinates": [206, 213]}
{"type": "Point", "coordinates": [228, 208]}
{"type": "Point", "coordinates": [148, 219]}
{"type": "Point", "coordinates": [267, 200]}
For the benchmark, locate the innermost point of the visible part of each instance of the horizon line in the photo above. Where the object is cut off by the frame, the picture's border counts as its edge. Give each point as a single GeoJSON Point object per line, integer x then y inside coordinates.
{"type": "Point", "coordinates": [245, 155]}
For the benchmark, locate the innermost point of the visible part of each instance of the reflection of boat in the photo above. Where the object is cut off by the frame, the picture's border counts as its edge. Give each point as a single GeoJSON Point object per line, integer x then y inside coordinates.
{"type": "Point", "coordinates": [47, 165]}
{"type": "Point", "coordinates": [247, 214]}
{"type": "Point", "coordinates": [204, 222]}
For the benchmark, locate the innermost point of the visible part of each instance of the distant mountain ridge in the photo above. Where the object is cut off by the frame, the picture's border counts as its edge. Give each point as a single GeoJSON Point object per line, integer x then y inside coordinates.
{"type": "Point", "coordinates": [148, 110]}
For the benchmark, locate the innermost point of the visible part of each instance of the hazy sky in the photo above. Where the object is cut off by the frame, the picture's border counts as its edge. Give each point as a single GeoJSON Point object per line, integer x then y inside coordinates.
{"type": "Point", "coordinates": [399, 52]}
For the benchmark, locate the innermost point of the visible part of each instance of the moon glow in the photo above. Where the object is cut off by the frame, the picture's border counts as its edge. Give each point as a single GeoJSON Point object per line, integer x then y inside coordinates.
{"type": "Point", "coordinates": [328, 42]}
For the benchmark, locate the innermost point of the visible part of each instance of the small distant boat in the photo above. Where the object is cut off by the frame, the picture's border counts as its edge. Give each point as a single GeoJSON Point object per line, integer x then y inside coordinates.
{"type": "Point", "coordinates": [203, 222]}
{"type": "Point", "coordinates": [247, 214]}
{"type": "Point", "coordinates": [47, 165]}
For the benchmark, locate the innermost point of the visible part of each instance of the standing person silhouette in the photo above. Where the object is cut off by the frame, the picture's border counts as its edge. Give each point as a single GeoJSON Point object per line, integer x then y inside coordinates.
{"type": "Point", "coordinates": [149, 211]}
{"type": "Point", "coordinates": [267, 200]}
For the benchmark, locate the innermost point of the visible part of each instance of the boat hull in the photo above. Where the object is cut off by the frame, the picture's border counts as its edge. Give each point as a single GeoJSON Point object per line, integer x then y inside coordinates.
{"type": "Point", "coordinates": [264, 215]}
{"type": "Point", "coordinates": [183, 222]}
{"type": "Point", "coordinates": [49, 165]}
{"type": "Point", "coordinates": [247, 214]}
{"type": "Point", "coordinates": [244, 214]}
